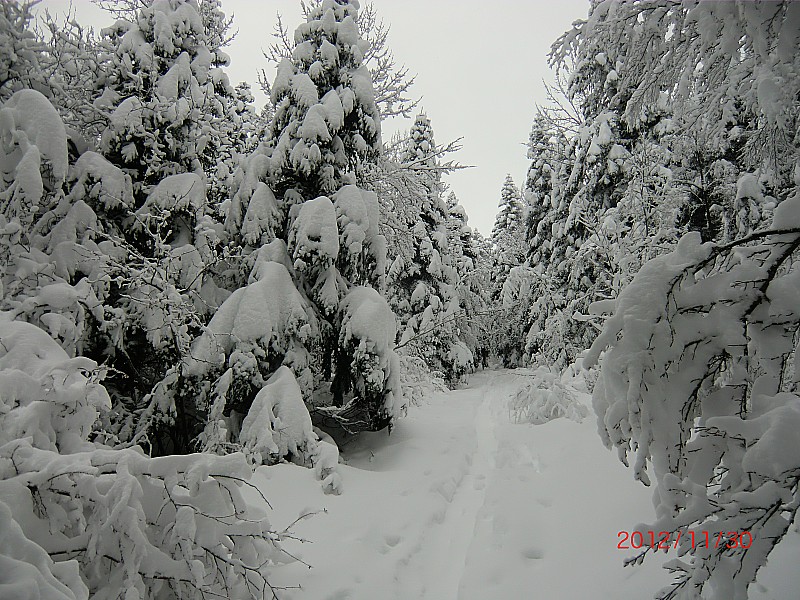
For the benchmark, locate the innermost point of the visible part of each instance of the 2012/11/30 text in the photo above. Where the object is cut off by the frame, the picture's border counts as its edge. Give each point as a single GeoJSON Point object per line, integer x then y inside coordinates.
{"type": "Point", "coordinates": [666, 540]}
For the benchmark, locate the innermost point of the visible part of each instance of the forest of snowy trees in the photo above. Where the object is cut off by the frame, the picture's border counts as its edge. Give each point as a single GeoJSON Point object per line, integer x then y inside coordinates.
{"type": "Point", "coordinates": [193, 286]}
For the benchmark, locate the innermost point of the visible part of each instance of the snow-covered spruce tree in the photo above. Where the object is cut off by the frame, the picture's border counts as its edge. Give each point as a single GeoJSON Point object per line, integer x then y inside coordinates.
{"type": "Point", "coordinates": [35, 167]}
{"type": "Point", "coordinates": [66, 267]}
{"type": "Point", "coordinates": [509, 245]}
{"type": "Point", "coordinates": [581, 267]}
{"type": "Point", "coordinates": [742, 52]}
{"type": "Point", "coordinates": [81, 518]}
{"type": "Point", "coordinates": [549, 149]}
{"type": "Point", "coordinates": [709, 172]}
{"type": "Point", "coordinates": [162, 72]}
{"type": "Point", "coordinates": [507, 232]}
{"type": "Point", "coordinates": [562, 213]}
{"type": "Point", "coordinates": [545, 333]}
{"type": "Point", "coordinates": [418, 377]}
{"type": "Point", "coordinates": [636, 220]}
{"type": "Point", "coordinates": [473, 273]}
{"type": "Point", "coordinates": [326, 121]}
{"type": "Point", "coordinates": [528, 321]}
{"type": "Point", "coordinates": [163, 81]}
{"type": "Point", "coordinates": [236, 128]}
{"type": "Point", "coordinates": [132, 255]}
{"type": "Point", "coordinates": [229, 125]}
{"type": "Point", "coordinates": [602, 198]}
{"type": "Point", "coordinates": [33, 145]}
{"type": "Point", "coordinates": [391, 82]}
{"type": "Point", "coordinates": [297, 211]}
{"type": "Point", "coordinates": [480, 284]}
{"type": "Point", "coordinates": [171, 59]}
{"type": "Point", "coordinates": [424, 283]}
{"type": "Point", "coordinates": [398, 183]}
{"type": "Point", "coordinates": [728, 118]}
{"type": "Point", "coordinates": [20, 50]}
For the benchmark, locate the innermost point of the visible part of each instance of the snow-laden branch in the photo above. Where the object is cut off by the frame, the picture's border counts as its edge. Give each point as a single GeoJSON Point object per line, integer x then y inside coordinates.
{"type": "Point", "coordinates": [698, 384]}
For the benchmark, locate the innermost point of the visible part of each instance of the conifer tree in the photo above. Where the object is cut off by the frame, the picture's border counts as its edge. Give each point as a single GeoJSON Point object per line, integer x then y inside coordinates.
{"type": "Point", "coordinates": [21, 53]}
{"type": "Point", "coordinates": [326, 121]}
{"type": "Point", "coordinates": [601, 200]}
{"type": "Point", "coordinates": [424, 283]}
{"type": "Point", "coordinates": [508, 233]}
{"type": "Point", "coordinates": [508, 252]}
{"type": "Point", "coordinates": [158, 65]}
{"type": "Point", "coordinates": [472, 287]}
{"type": "Point", "coordinates": [511, 212]}
{"type": "Point", "coordinates": [296, 208]}
{"type": "Point", "coordinates": [391, 82]}
{"type": "Point", "coordinates": [74, 484]}
{"type": "Point", "coordinates": [130, 232]}
{"type": "Point", "coordinates": [544, 186]}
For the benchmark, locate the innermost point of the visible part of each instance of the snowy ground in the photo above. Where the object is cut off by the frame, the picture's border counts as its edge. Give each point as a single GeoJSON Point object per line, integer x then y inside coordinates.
{"type": "Point", "coordinates": [458, 503]}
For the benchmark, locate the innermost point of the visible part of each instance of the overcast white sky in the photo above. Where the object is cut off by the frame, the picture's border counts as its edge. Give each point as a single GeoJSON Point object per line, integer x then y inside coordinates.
{"type": "Point", "coordinates": [479, 69]}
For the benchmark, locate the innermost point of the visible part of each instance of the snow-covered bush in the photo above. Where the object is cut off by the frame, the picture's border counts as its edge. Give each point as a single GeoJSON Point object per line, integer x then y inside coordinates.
{"type": "Point", "coordinates": [278, 424]}
{"type": "Point", "coordinates": [542, 397]}
{"type": "Point", "coordinates": [325, 458]}
{"type": "Point", "coordinates": [417, 380]}
{"type": "Point", "coordinates": [134, 526]}
{"type": "Point", "coordinates": [699, 385]}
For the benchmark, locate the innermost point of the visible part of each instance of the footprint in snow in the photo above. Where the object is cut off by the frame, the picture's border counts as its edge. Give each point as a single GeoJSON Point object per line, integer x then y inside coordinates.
{"type": "Point", "coordinates": [533, 553]}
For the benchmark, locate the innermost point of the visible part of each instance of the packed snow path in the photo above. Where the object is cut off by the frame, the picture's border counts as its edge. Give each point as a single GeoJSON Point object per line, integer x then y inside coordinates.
{"type": "Point", "coordinates": [460, 504]}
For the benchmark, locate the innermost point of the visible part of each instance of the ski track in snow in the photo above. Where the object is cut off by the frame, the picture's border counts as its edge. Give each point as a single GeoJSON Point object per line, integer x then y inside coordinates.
{"type": "Point", "coordinates": [457, 503]}
{"type": "Point", "coordinates": [453, 536]}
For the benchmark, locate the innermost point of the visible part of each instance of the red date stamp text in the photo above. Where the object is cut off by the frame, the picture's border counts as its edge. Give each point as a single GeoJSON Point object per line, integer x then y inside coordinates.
{"type": "Point", "coordinates": [666, 540]}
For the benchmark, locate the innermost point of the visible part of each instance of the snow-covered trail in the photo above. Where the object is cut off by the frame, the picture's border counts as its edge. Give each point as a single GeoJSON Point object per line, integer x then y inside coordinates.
{"type": "Point", "coordinates": [460, 504]}
{"type": "Point", "coordinates": [452, 538]}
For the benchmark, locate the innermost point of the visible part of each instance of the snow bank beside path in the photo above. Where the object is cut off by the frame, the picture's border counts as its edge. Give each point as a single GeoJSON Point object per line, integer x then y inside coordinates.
{"type": "Point", "coordinates": [458, 503]}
